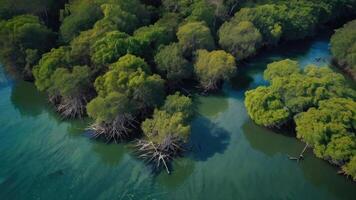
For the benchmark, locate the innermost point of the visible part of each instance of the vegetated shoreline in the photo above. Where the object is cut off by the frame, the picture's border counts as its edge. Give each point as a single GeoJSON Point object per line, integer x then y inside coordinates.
{"type": "Point", "coordinates": [191, 90]}
{"type": "Point", "coordinates": [345, 69]}
{"type": "Point", "coordinates": [118, 55]}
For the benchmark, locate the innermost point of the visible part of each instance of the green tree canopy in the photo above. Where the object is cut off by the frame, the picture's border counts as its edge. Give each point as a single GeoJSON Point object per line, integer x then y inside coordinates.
{"type": "Point", "coordinates": [56, 58]}
{"type": "Point", "coordinates": [267, 18]}
{"type": "Point", "coordinates": [171, 63]}
{"type": "Point", "coordinates": [118, 18]}
{"type": "Point", "coordinates": [128, 77]}
{"type": "Point", "coordinates": [156, 35]}
{"type": "Point", "coordinates": [77, 16]}
{"type": "Point", "coordinates": [112, 46]}
{"type": "Point", "coordinates": [281, 69]}
{"type": "Point", "coordinates": [343, 47]}
{"type": "Point", "coordinates": [293, 91]}
{"type": "Point", "coordinates": [266, 107]}
{"type": "Point", "coordinates": [21, 33]}
{"type": "Point", "coordinates": [195, 35]}
{"type": "Point", "coordinates": [241, 40]}
{"type": "Point", "coordinates": [163, 125]}
{"type": "Point", "coordinates": [70, 83]}
{"type": "Point", "coordinates": [213, 67]}
{"type": "Point", "coordinates": [203, 11]}
{"type": "Point", "coordinates": [329, 128]}
{"type": "Point", "coordinates": [179, 103]}
{"type": "Point", "coordinates": [350, 168]}
{"type": "Point", "coordinates": [171, 120]}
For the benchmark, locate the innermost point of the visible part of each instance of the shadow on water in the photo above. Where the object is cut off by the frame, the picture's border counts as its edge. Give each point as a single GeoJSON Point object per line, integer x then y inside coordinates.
{"type": "Point", "coordinates": [269, 142]}
{"type": "Point", "coordinates": [211, 105]}
{"type": "Point", "coordinates": [110, 154]}
{"type": "Point", "coordinates": [27, 100]}
{"type": "Point", "coordinates": [182, 169]}
{"type": "Point", "coordinates": [207, 139]}
{"type": "Point", "coordinates": [77, 127]}
{"type": "Point", "coordinates": [317, 171]}
{"type": "Point", "coordinates": [324, 175]}
{"type": "Point", "coordinates": [241, 81]}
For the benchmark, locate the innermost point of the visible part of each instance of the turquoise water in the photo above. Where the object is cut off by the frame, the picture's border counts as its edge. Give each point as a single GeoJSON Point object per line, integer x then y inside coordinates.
{"type": "Point", "coordinates": [42, 157]}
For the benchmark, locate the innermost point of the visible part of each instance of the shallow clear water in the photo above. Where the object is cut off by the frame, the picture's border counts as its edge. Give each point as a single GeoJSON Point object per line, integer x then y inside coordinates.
{"type": "Point", "coordinates": [42, 157]}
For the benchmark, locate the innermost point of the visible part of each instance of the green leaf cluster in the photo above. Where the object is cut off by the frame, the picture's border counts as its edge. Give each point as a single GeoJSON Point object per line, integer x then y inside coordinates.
{"type": "Point", "coordinates": [195, 35]}
{"type": "Point", "coordinates": [172, 64]}
{"type": "Point", "coordinates": [240, 39]}
{"type": "Point", "coordinates": [21, 33]}
{"type": "Point", "coordinates": [293, 91]}
{"type": "Point", "coordinates": [343, 47]}
{"type": "Point", "coordinates": [128, 85]}
{"type": "Point", "coordinates": [330, 129]}
{"type": "Point", "coordinates": [171, 120]}
{"type": "Point", "coordinates": [213, 67]}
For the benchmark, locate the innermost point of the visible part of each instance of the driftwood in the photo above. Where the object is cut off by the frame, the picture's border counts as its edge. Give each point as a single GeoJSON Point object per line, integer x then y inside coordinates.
{"type": "Point", "coordinates": [301, 156]}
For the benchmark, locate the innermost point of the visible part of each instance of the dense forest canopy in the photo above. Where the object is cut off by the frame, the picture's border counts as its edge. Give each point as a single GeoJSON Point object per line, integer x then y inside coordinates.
{"type": "Point", "coordinates": [124, 63]}
{"type": "Point", "coordinates": [343, 48]}
{"type": "Point", "coordinates": [317, 101]}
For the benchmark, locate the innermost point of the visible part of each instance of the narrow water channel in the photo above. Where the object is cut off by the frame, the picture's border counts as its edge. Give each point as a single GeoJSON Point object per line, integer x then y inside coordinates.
{"type": "Point", "coordinates": [231, 157]}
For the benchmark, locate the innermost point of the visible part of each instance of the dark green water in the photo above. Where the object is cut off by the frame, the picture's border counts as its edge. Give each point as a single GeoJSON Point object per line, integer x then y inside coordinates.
{"type": "Point", "coordinates": [42, 157]}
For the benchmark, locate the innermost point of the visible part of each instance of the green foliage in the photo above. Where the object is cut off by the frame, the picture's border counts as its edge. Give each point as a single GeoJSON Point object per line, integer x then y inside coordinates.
{"type": "Point", "coordinates": [105, 109]}
{"type": "Point", "coordinates": [161, 33]}
{"type": "Point", "coordinates": [265, 107]}
{"type": "Point", "coordinates": [131, 63]}
{"type": "Point", "coordinates": [195, 35]}
{"type": "Point", "coordinates": [128, 77]}
{"type": "Point", "coordinates": [20, 33]}
{"type": "Point", "coordinates": [340, 148]}
{"type": "Point", "coordinates": [293, 91]}
{"type": "Point", "coordinates": [179, 103]}
{"type": "Point", "coordinates": [47, 10]}
{"type": "Point", "coordinates": [305, 90]}
{"type": "Point", "coordinates": [70, 83]}
{"type": "Point", "coordinates": [82, 14]}
{"type": "Point", "coordinates": [179, 6]}
{"type": "Point", "coordinates": [118, 18]}
{"type": "Point", "coordinates": [329, 128]}
{"type": "Point", "coordinates": [115, 18]}
{"type": "Point", "coordinates": [289, 20]}
{"type": "Point", "coordinates": [170, 120]}
{"type": "Point", "coordinates": [171, 63]}
{"type": "Point", "coordinates": [350, 168]}
{"type": "Point", "coordinates": [281, 69]}
{"type": "Point", "coordinates": [267, 18]}
{"type": "Point", "coordinates": [343, 47]}
{"type": "Point", "coordinates": [240, 39]}
{"type": "Point", "coordinates": [202, 11]}
{"type": "Point", "coordinates": [213, 67]}
{"type": "Point", "coordinates": [112, 46]}
{"type": "Point", "coordinates": [164, 124]}
{"type": "Point", "coordinates": [56, 58]}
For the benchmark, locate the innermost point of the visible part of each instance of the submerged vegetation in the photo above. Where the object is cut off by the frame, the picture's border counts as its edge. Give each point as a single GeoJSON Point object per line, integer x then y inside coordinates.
{"type": "Point", "coordinates": [124, 63]}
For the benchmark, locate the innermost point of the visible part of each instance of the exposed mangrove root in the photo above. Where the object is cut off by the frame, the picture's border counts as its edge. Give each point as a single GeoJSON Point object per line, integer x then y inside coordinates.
{"type": "Point", "coordinates": [301, 155]}
{"type": "Point", "coordinates": [211, 85]}
{"type": "Point", "coordinates": [72, 107]}
{"type": "Point", "coordinates": [117, 130]}
{"type": "Point", "coordinates": [160, 155]}
{"type": "Point", "coordinates": [54, 99]}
